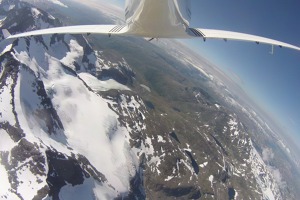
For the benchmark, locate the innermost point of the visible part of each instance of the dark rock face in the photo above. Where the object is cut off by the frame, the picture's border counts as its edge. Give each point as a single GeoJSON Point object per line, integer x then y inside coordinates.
{"type": "Point", "coordinates": [174, 136]}
{"type": "Point", "coordinates": [45, 114]}
{"type": "Point", "coordinates": [119, 73]}
{"type": "Point", "coordinates": [62, 170]}
{"type": "Point", "coordinates": [231, 193]}
{"type": "Point", "coordinates": [149, 105]}
{"type": "Point", "coordinates": [68, 170]}
{"type": "Point", "coordinates": [48, 114]}
{"type": "Point", "coordinates": [137, 190]}
{"type": "Point", "coordinates": [16, 134]}
{"type": "Point", "coordinates": [192, 192]}
{"type": "Point", "coordinates": [193, 161]}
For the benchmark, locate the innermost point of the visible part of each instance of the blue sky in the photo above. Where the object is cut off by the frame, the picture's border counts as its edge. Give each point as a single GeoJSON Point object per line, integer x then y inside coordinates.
{"type": "Point", "coordinates": [273, 81]}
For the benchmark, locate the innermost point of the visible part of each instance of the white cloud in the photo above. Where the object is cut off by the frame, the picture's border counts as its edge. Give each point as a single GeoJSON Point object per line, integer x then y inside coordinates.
{"type": "Point", "coordinates": [53, 1]}
{"type": "Point", "coordinates": [107, 8]}
{"type": "Point", "coordinates": [277, 176]}
{"type": "Point", "coordinates": [267, 154]}
{"type": "Point", "coordinates": [58, 3]}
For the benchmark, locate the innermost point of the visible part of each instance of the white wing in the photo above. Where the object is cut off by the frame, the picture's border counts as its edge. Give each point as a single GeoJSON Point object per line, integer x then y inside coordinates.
{"type": "Point", "coordinates": [89, 29]}
{"type": "Point", "coordinates": [228, 35]}
{"type": "Point", "coordinates": [123, 30]}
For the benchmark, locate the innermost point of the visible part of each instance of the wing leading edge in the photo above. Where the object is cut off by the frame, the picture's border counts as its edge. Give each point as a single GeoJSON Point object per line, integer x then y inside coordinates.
{"type": "Point", "coordinates": [229, 35]}
{"type": "Point", "coordinates": [123, 30]}
{"type": "Point", "coordinates": [83, 29]}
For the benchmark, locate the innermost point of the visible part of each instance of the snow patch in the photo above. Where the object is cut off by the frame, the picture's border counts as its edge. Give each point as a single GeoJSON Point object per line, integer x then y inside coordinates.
{"type": "Point", "coordinates": [153, 161]}
{"type": "Point", "coordinates": [6, 143]}
{"type": "Point", "coordinates": [5, 189]}
{"type": "Point", "coordinates": [8, 7]}
{"type": "Point", "coordinates": [13, 25]}
{"type": "Point", "coordinates": [75, 54]}
{"type": "Point", "coordinates": [160, 139]}
{"type": "Point", "coordinates": [211, 179]}
{"type": "Point", "coordinates": [6, 114]}
{"type": "Point", "coordinates": [2, 18]}
{"type": "Point", "coordinates": [203, 164]}
{"type": "Point", "coordinates": [233, 124]}
{"type": "Point", "coordinates": [86, 191]}
{"type": "Point", "coordinates": [188, 148]}
{"type": "Point", "coordinates": [98, 85]}
{"type": "Point", "coordinates": [145, 87]}
{"type": "Point", "coordinates": [5, 185]}
{"type": "Point", "coordinates": [91, 127]}
{"type": "Point", "coordinates": [263, 176]}
{"type": "Point", "coordinates": [6, 49]}
{"type": "Point", "coordinates": [29, 183]}
{"type": "Point", "coordinates": [51, 16]}
{"type": "Point", "coordinates": [35, 12]}
{"type": "Point", "coordinates": [169, 178]}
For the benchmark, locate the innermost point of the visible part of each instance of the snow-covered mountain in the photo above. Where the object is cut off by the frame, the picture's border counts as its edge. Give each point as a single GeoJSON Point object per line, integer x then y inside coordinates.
{"type": "Point", "coordinates": [83, 122]}
{"type": "Point", "coordinates": [60, 134]}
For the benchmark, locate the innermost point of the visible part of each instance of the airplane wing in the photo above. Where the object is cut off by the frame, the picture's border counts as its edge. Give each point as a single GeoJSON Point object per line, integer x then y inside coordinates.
{"type": "Point", "coordinates": [82, 29]}
{"type": "Point", "coordinates": [228, 35]}
{"type": "Point", "coordinates": [123, 30]}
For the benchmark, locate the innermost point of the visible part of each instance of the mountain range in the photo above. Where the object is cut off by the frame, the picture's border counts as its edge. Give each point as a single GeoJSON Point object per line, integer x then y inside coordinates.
{"type": "Point", "coordinates": [92, 117]}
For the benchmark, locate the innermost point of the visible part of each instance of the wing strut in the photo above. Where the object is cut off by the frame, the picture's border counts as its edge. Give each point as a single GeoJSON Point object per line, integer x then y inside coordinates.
{"type": "Point", "coordinates": [272, 50]}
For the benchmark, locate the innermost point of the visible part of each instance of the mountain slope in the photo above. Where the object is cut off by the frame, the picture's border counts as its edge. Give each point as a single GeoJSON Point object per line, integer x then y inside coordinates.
{"type": "Point", "coordinates": [120, 120]}
{"type": "Point", "coordinates": [52, 118]}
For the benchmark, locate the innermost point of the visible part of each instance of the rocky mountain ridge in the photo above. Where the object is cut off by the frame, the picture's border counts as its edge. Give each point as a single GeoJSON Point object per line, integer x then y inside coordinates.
{"type": "Point", "coordinates": [80, 123]}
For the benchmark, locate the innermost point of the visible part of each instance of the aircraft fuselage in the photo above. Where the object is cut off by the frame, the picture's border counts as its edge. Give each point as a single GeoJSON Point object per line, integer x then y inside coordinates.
{"type": "Point", "coordinates": [158, 18]}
